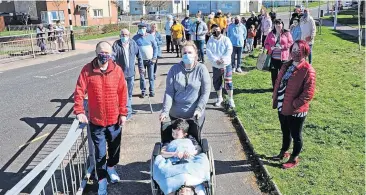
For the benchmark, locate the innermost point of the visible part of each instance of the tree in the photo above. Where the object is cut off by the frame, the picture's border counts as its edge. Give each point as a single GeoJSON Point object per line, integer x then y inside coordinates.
{"type": "Point", "coordinates": [58, 4]}
{"type": "Point", "coordinates": [160, 4]}
{"type": "Point", "coordinates": [144, 4]}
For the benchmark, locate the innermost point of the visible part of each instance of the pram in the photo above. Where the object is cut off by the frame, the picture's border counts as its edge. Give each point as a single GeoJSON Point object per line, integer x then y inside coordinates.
{"type": "Point", "coordinates": [166, 136]}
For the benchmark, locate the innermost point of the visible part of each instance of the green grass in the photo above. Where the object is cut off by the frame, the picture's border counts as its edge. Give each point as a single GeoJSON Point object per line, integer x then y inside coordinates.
{"type": "Point", "coordinates": [286, 8]}
{"type": "Point", "coordinates": [347, 17]}
{"type": "Point", "coordinates": [332, 160]}
{"type": "Point", "coordinates": [97, 36]}
{"type": "Point", "coordinates": [12, 33]}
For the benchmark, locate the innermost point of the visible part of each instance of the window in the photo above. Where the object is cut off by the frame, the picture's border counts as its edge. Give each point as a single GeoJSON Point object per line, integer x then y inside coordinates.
{"type": "Point", "coordinates": [136, 9]}
{"type": "Point", "coordinates": [54, 16]}
{"type": "Point", "coordinates": [202, 6]}
{"type": "Point", "coordinates": [98, 13]}
{"type": "Point", "coordinates": [228, 5]}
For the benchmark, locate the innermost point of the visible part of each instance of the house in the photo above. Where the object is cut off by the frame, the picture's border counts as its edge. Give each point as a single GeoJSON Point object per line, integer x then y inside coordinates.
{"type": "Point", "coordinates": [235, 7]}
{"type": "Point", "coordinates": [172, 6]}
{"type": "Point", "coordinates": [93, 12]}
{"type": "Point", "coordinates": [279, 3]}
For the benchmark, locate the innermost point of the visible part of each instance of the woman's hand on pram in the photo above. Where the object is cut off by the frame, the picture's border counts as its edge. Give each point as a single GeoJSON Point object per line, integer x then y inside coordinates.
{"type": "Point", "coordinates": [163, 117]}
{"type": "Point", "coordinates": [186, 155]}
{"type": "Point", "coordinates": [197, 114]}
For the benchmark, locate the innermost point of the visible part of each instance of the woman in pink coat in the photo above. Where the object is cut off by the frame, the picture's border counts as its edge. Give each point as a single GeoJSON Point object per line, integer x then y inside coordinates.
{"type": "Point", "coordinates": [278, 43]}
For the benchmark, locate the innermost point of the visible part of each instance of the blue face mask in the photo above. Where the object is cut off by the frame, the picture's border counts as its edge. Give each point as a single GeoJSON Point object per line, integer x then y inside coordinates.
{"type": "Point", "coordinates": [124, 39]}
{"type": "Point", "coordinates": [188, 58]}
{"type": "Point", "coordinates": [103, 58]}
{"type": "Point", "coordinates": [141, 31]}
{"type": "Point", "coordinates": [305, 15]}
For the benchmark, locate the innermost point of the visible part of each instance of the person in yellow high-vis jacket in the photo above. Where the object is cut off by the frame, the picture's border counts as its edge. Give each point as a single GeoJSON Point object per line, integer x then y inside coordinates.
{"type": "Point", "coordinates": [221, 21]}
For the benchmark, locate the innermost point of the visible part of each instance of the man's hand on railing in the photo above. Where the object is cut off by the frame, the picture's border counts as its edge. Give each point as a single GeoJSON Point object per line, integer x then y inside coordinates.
{"type": "Point", "coordinates": [82, 118]}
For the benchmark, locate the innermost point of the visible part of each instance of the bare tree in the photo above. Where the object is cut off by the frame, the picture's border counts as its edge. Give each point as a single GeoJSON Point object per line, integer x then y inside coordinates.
{"type": "Point", "coordinates": [160, 4]}
{"type": "Point", "coordinates": [58, 4]}
{"type": "Point", "coordinates": [144, 4]}
{"type": "Point", "coordinates": [117, 4]}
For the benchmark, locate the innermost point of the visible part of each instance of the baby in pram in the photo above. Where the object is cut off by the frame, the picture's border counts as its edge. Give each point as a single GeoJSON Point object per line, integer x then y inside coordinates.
{"type": "Point", "coordinates": [181, 167]}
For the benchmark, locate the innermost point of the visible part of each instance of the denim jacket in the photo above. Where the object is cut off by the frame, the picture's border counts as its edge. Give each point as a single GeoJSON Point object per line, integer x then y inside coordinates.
{"type": "Point", "coordinates": [119, 57]}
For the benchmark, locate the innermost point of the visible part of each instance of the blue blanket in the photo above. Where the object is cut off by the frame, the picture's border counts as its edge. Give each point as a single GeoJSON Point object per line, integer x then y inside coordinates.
{"type": "Point", "coordinates": [171, 177]}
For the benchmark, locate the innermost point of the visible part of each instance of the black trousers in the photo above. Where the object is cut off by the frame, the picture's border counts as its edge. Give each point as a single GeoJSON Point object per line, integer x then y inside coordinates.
{"type": "Point", "coordinates": [291, 128]}
{"type": "Point", "coordinates": [263, 39]}
{"type": "Point", "coordinates": [169, 43]}
{"type": "Point", "coordinates": [275, 69]}
{"type": "Point", "coordinates": [188, 36]}
{"type": "Point", "coordinates": [256, 38]}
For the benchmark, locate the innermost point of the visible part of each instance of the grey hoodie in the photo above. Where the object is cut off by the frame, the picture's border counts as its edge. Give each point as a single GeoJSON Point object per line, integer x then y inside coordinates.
{"type": "Point", "coordinates": [186, 91]}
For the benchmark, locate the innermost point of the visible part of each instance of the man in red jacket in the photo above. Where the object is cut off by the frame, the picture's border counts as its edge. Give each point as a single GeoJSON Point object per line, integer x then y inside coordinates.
{"type": "Point", "coordinates": [105, 84]}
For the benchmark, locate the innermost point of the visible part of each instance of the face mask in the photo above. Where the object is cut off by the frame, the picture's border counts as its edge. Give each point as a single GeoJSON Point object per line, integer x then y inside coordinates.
{"type": "Point", "coordinates": [141, 31]}
{"type": "Point", "coordinates": [103, 58]}
{"type": "Point", "coordinates": [174, 22]}
{"type": "Point", "coordinates": [188, 59]}
{"type": "Point", "coordinates": [305, 15]}
{"type": "Point", "coordinates": [216, 33]}
{"type": "Point", "coordinates": [296, 56]}
{"type": "Point", "coordinates": [236, 21]}
{"type": "Point", "coordinates": [124, 39]}
{"type": "Point", "coordinates": [218, 13]}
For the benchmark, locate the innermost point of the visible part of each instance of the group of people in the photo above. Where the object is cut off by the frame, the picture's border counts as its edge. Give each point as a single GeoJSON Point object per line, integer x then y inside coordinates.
{"type": "Point", "coordinates": [53, 35]}
{"type": "Point", "coordinates": [108, 79]}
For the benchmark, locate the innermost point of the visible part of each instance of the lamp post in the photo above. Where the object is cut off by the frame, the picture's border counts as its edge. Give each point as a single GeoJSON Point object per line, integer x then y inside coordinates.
{"type": "Point", "coordinates": [72, 38]}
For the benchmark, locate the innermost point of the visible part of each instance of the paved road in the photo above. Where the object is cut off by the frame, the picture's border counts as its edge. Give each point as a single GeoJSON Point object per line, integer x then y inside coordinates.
{"type": "Point", "coordinates": [37, 109]}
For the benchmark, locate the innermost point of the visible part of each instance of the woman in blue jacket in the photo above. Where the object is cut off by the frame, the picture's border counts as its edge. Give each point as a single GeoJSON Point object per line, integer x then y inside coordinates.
{"type": "Point", "coordinates": [159, 41]}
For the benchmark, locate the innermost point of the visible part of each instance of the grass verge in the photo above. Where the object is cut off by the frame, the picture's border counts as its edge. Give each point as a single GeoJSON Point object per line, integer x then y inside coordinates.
{"type": "Point", "coordinates": [332, 160]}
{"type": "Point", "coordinates": [347, 17]}
{"type": "Point", "coordinates": [96, 36]}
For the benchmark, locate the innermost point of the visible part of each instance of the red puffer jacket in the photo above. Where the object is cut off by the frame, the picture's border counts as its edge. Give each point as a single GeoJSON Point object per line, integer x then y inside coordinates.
{"type": "Point", "coordinates": [107, 93]}
{"type": "Point", "coordinates": [299, 90]}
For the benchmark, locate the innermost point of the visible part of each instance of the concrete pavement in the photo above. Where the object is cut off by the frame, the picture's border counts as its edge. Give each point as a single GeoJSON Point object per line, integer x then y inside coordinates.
{"type": "Point", "coordinates": [37, 113]}
{"type": "Point", "coordinates": [234, 172]}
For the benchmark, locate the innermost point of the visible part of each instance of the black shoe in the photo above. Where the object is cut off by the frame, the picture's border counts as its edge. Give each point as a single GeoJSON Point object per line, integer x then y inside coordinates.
{"type": "Point", "coordinates": [152, 94]}
{"type": "Point", "coordinates": [202, 61]}
{"type": "Point", "coordinates": [177, 56]}
{"type": "Point", "coordinates": [142, 95]}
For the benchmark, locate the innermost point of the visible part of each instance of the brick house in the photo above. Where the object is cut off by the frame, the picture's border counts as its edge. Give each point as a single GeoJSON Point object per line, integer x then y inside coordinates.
{"type": "Point", "coordinates": [93, 12]}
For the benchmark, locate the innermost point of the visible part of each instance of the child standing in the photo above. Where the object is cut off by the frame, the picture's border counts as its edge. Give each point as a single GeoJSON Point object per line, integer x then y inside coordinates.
{"type": "Point", "coordinates": [295, 29]}
{"type": "Point", "coordinates": [251, 35]}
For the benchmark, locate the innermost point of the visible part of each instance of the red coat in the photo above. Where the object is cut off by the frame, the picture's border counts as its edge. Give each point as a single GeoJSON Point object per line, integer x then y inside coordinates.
{"type": "Point", "coordinates": [285, 41]}
{"type": "Point", "coordinates": [299, 90]}
{"type": "Point", "coordinates": [107, 93]}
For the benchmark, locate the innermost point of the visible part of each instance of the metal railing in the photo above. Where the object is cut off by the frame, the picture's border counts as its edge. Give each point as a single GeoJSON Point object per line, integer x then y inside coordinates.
{"type": "Point", "coordinates": [25, 46]}
{"type": "Point", "coordinates": [63, 170]}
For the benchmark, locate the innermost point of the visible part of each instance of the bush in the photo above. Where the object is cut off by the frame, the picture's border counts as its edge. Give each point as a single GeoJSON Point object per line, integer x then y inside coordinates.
{"type": "Point", "coordinates": [91, 31]}
{"type": "Point", "coordinates": [108, 28]}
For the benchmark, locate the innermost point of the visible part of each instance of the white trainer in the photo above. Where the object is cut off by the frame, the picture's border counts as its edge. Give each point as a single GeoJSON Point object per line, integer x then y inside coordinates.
{"type": "Point", "coordinates": [219, 101]}
{"type": "Point", "coordinates": [239, 70]}
{"type": "Point", "coordinates": [231, 103]}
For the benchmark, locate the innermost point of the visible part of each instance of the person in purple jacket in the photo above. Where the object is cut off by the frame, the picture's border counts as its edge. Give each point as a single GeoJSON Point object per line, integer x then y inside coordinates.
{"type": "Point", "coordinates": [149, 53]}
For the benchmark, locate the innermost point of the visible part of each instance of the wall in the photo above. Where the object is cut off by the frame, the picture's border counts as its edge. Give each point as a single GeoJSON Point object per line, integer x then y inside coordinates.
{"type": "Point", "coordinates": [28, 7]}
{"type": "Point", "coordinates": [6, 6]}
{"type": "Point", "coordinates": [133, 6]}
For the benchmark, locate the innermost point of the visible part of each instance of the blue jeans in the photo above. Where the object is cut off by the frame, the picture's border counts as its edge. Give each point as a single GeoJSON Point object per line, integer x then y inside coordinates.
{"type": "Point", "coordinates": [237, 51]}
{"type": "Point", "coordinates": [149, 67]}
{"type": "Point", "coordinates": [130, 83]}
{"type": "Point", "coordinates": [200, 46]}
{"type": "Point", "coordinates": [311, 54]}
{"type": "Point", "coordinates": [101, 136]}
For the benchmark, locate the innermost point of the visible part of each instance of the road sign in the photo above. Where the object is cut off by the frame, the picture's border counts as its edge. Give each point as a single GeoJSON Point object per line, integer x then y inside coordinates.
{"type": "Point", "coordinates": [176, 1]}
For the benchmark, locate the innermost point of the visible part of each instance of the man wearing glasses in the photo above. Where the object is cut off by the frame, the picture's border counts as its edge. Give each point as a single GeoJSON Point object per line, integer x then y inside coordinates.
{"type": "Point", "coordinates": [125, 51]}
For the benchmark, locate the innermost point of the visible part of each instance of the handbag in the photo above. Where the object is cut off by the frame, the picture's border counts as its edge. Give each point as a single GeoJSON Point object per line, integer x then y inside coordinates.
{"type": "Point", "coordinates": [264, 62]}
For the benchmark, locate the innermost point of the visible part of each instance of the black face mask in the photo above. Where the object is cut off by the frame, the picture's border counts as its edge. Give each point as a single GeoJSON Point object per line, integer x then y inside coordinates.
{"type": "Point", "coordinates": [174, 22]}
{"type": "Point", "coordinates": [218, 13]}
{"type": "Point", "coordinates": [216, 33]}
{"type": "Point", "coordinates": [236, 21]}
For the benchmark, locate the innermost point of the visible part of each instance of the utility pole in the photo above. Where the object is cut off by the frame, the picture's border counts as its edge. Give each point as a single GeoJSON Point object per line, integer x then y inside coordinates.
{"type": "Point", "coordinates": [72, 38]}
{"type": "Point", "coordinates": [336, 13]}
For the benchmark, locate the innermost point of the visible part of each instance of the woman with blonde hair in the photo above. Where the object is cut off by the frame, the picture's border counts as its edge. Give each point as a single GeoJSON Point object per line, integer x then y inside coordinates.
{"type": "Point", "coordinates": [188, 87]}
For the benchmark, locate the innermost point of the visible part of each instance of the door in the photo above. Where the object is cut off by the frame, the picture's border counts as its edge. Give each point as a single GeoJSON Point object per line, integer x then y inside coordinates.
{"type": "Point", "coordinates": [83, 18]}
